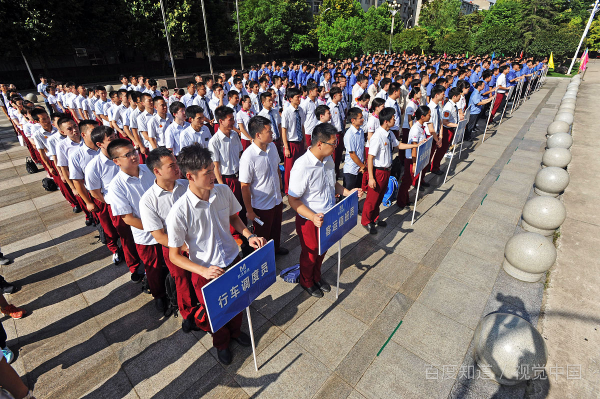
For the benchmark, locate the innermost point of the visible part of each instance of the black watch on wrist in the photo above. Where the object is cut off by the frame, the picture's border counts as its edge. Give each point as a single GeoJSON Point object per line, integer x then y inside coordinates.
{"type": "Point", "coordinates": [251, 236]}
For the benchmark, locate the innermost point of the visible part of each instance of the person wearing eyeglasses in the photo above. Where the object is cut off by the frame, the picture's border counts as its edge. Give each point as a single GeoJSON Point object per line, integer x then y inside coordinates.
{"type": "Point", "coordinates": [311, 193]}
{"type": "Point", "coordinates": [124, 195]}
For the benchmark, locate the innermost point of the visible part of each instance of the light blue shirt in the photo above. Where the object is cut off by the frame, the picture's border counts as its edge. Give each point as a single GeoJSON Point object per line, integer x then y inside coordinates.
{"type": "Point", "coordinates": [474, 100]}
{"type": "Point", "coordinates": [354, 140]}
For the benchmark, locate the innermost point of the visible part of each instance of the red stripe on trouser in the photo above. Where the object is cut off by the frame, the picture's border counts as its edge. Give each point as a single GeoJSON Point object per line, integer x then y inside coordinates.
{"type": "Point", "coordinates": [448, 134]}
{"type": "Point", "coordinates": [132, 258]}
{"type": "Point", "coordinates": [365, 177]}
{"type": "Point", "coordinates": [408, 180]}
{"type": "Point", "coordinates": [33, 152]}
{"type": "Point", "coordinates": [370, 212]}
{"type": "Point", "coordinates": [152, 257]}
{"type": "Point", "coordinates": [110, 232]}
{"type": "Point", "coordinates": [143, 156]}
{"type": "Point", "coordinates": [245, 144]}
{"type": "Point", "coordinates": [271, 228]}
{"type": "Point", "coordinates": [497, 103]}
{"type": "Point", "coordinates": [64, 188]}
{"type": "Point", "coordinates": [296, 151]}
{"type": "Point", "coordinates": [222, 336]}
{"type": "Point", "coordinates": [308, 140]}
{"type": "Point", "coordinates": [310, 260]}
{"type": "Point", "coordinates": [183, 284]}
{"type": "Point", "coordinates": [236, 188]}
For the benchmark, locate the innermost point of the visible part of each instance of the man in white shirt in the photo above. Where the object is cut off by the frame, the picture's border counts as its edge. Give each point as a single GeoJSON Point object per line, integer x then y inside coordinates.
{"type": "Point", "coordinates": [125, 83]}
{"type": "Point", "coordinates": [218, 100]}
{"type": "Point", "coordinates": [450, 119]}
{"type": "Point", "coordinates": [434, 127]}
{"type": "Point", "coordinates": [272, 114]}
{"type": "Point", "coordinates": [196, 131]}
{"type": "Point", "coordinates": [379, 164]}
{"type": "Point", "coordinates": [144, 118]}
{"type": "Point", "coordinates": [198, 223]}
{"type": "Point", "coordinates": [359, 88]}
{"type": "Point", "coordinates": [66, 126]}
{"type": "Point", "coordinates": [159, 123]}
{"type": "Point", "coordinates": [188, 98]}
{"type": "Point", "coordinates": [101, 105]}
{"type": "Point", "coordinates": [338, 120]}
{"type": "Point", "coordinates": [42, 90]}
{"type": "Point", "coordinates": [154, 208]}
{"type": "Point", "coordinates": [174, 130]}
{"type": "Point", "coordinates": [292, 133]}
{"type": "Point", "coordinates": [260, 180]}
{"type": "Point", "coordinates": [309, 106]}
{"type": "Point", "coordinates": [242, 118]}
{"type": "Point", "coordinates": [99, 172]}
{"type": "Point", "coordinates": [125, 192]}
{"type": "Point", "coordinates": [501, 90]}
{"type": "Point", "coordinates": [312, 192]}
{"type": "Point", "coordinates": [203, 101]}
{"type": "Point", "coordinates": [392, 102]}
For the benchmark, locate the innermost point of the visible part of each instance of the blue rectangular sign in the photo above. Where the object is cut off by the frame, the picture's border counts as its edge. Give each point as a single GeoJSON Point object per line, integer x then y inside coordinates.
{"type": "Point", "coordinates": [460, 132]}
{"type": "Point", "coordinates": [234, 290]}
{"type": "Point", "coordinates": [338, 221]}
{"type": "Point", "coordinates": [423, 155]}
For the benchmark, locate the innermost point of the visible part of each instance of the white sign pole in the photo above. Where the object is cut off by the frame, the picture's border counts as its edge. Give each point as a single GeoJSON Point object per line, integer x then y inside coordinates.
{"type": "Point", "coordinates": [585, 32]}
{"type": "Point", "coordinates": [516, 98]}
{"type": "Point", "coordinates": [487, 122]}
{"type": "Point", "coordinates": [451, 158]}
{"type": "Point", "coordinates": [418, 187]}
{"type": "Point", "coordinates": [252, 337]}
{"type": "Point", "coordinates": [506, 103]}
{"type": "Point", "coordinates": [337, 290]}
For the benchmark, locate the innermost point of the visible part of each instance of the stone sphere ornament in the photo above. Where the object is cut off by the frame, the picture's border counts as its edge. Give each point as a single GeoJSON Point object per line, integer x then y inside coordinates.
{"type": "Point", "coordinates": [108, 88]}
{"type": "Point", "coordinates": [567, 107]}
{"type": "Point", "coordinates": [528, 256]}
{"type": "Point", "coordinates": [558, 127]}
{"type": "Point", "coordinates": [543, 215]}
{"type": "Point", "coordinates": [509, 349]}
{"type": "Point", "coordinates": [559, 157]}
{"type": "Point", "coordinates": [31, 97]}
{"type": "Point", "coordinates": [559, 140]}
{"type": "Point", "coordinates": [551, 181]}
{"type": "Point", "coordinates": [565, 117]}
{"type": "Point", "coordinates": [568, 101]}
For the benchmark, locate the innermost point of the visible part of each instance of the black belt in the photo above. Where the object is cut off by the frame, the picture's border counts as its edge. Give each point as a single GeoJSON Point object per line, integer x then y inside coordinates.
{"type": "Point", "coordinates": [233, 176]}
{"type": "Point", "coordinates": [296, 142]}
{"type": "Point", "coordinates": [380, 168]}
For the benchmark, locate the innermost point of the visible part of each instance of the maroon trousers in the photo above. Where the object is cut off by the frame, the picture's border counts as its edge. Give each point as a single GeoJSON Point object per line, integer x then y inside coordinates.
{"type": "Point", "coordinates": [271, 228]}
{"type": "Point", "coordinates": [448, 134]}
{"type": "Point", "coordinates": [338, 153]}
{"type": "Point", "coordinates": [497, 103]}
{"type": "Point", "coordinates": [152, 256]}
{"type": "Point", "coordinates": [183, 284]}
{"type": "Point", "coordinates": [405, 132]}
{"type": "Point", "coordinates": [236, 188]}
{"type": "Point", "coordinates": [370, 212]}
{"type": "Point", "coordinates": [35, 155]}
{"type": "Point", "coordinates": [110, 232]}
{"type": "Point", "coordinates": [132, 258]}
{"type": "Point", "coordinates": [232, 329]}
{"type": "Point", "coordinates": [296, 151]}
{"type": "Point", "coordinates": [245, 144]}
{"type": "Point", "coordinates": [408, 180]}
{"type": "Point", "coordinates": [308, 139]}
{"type": "Point", "coordinates": [310, 260]}
{"type": "Point", "coordinates": [63, 187]}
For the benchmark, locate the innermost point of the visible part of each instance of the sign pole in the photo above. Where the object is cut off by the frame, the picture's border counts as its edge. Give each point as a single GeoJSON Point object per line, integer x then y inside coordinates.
{"type": "Point", "coordinates": [252, 337]}
{"type": "Point", "coordinates": [416, 197]}
{"type": "Point", "coordinates": [487, 122]}
{"type": "Point", "coordinates": [506, 103]}
{"type": "Point", "coordinates": [337, 290]}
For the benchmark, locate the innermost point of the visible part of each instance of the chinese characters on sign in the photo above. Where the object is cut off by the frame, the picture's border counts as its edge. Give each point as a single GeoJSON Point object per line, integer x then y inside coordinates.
{"type": "Point", "coordinates": [338, 221]}
{"type": "Point", "coordinates": [232, 292]}
{"type": "Point", "coordinates": [423, 155]}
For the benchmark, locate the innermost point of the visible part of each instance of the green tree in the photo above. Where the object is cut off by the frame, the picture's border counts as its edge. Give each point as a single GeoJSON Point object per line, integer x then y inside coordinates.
{"type": "Point", "coordinates": [268, 25]}
{"type": "Point", "coordinates": [453, 43]}
{"type": "Point", "coordinates": [593, 37]}
{"type": "Point", "coordinates": [375, 42]}
{"type": "Point", "coordinates": [412, 40]}
{"type": "Point", "coordinates": [437, 15]}
{"type": "Point", "coordinates": [342, 39]}
{"type": "Point", "coordinates": [498, 39]}
{"type": "Point", "coordinates": [561, 40]}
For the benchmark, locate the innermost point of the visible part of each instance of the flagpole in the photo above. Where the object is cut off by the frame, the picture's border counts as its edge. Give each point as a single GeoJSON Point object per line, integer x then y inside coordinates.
{"type": "Point", "coordinates": [585, 32]}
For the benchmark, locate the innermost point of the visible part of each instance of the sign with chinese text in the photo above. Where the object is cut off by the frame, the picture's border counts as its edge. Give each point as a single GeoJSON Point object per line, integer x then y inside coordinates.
{"type": "Point", "coordinates": [338, 221]}
{"type": "Point", "coordinates": [234, 290]}
{"type": "Point", "coordinates": [460, 131]}
{"type": "Point", "coordinates": [423, 155]}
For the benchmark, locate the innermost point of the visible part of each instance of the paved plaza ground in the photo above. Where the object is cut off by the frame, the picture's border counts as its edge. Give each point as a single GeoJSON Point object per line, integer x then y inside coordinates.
{"type": "Point", "coordinates": [92, 333]}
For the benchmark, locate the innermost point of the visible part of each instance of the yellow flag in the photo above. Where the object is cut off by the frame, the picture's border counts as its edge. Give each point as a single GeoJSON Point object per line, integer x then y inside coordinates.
{"type": "Point", "coordinates": [422, 52]}
{"type": "Point", "coordinates": [551, 62]}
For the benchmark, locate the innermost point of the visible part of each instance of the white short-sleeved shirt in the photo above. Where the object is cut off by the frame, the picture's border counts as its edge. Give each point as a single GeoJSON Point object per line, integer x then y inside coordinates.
{"type": "Point", "coordinates": [381, 147]}
{"type": "Point", "coordinates": [53, 142]}
{"type": "Point", "coordinates": [254, 100]}
{"type": "Point", "coordinates": [394, 105]}
{"type": "Point", "coordinates": [244, 118]}
{"type": "Point", "coordinates": [204, 226]}
{"type": "Point", "coordinates": [157, 127]}
{"type": "Point", "coordinates": [411, 108]}
{"type": "Point", "coordinates": [29, 128]}
{"type": "Point", "coordinates": [416, 135]}
{"type": "Point", "coordinates": [288, 121]}
{"type": "Point", "coordinates": [309, 106]}
{"type": "Point", "coordinates": [260, 169]}
{"type": "Point", "coordinates": [501, 82]}
{"type": "Point", "coordinates": [450, 112]}
{"type": "Point", "coordinates": [41, 88]}
{"type": "Point", "coordinates": [41, 138]}
{"type": "Point", "coordinates": [313, 182]}
{"type": "Point", "coordinates": [436, 116]}
{"type": "Point", "coordinates": [214, 104]}
{"type": "Point", "coordinates": [188, 99]}
{"type": "Point", "coordinates": [119, 115]}
{"type": "Point", "coordinates": [51, 99]}
{"type": "Point", "coordinates": [99, 172]}
{"type": "Point", "coordinates": [354, 140]}
{"type": "Point", "coordinates": [142, 125]}
{"type": "Point", "coordinates": [79, 160]}
{"type": "Point", "coordinates": [226, 151]}
{"type": "Point", "coordinates": [156, 204]}
{"type": "Point", "coordinates": [275, 118]}
{"type": "Point", "coordinates": [124, 195]}
{"type": "Point", "coordinates": [203, 102]}
{"type": "Point", "coordinates": [173, 136]}
{"type": "Point", "coordinates": [189, 136]}
{"type": "Point", "coordinates": [337, 116]}
{"type": "Point", "coordinates": [65, 150]}
{"type": "Point", "coordinates": [133, 118]}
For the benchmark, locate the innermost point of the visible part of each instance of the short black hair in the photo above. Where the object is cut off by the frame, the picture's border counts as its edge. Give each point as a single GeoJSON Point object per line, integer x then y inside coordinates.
{"type": "Point", "coordinates": [423, 110]}
{"type": "Point", "coordinates": [323, 132]}
{"type": "Point", "coordinates": [176, 106]}
{"type": "Point", "coordinates": [455, 91]}
{"type": "Point", "coordinates": [193, 158]}
{"type": "Point", "coordinates": [157, 99]}
{"type": "Point", "coordinates": [437, 89]}
{"type": "Point", "coordinates": [386, 114]}
{"type": "Point", "coordinates": [354, 112]}
{"type": "Point", "coordinates": [222, 112]}
{"type": "Point", "coordinates": [36, 112]}
{"type": "Point", "coordinates": [83, 125]}
{"type": "Point", "coordinates": [377, 102]}
{"type": "Point", "coordinates": [232, 93]}
{"type": "Point", "coordinates": [154, 157]}
{"type": "Point", "coordinates": [64, 119]}
{"type": "Point", "coordinates": [257, 124]}
{"type": "Point", "coordinates": [321, 110]}
{"type": "Point", "coordinates": [99, 133]}
{"type": "Point", "coordinates": [264, 95]}
{"type": "Point", "coordinates": [192, 110]}
{"type": "Point", "coordinates": [115, 145]}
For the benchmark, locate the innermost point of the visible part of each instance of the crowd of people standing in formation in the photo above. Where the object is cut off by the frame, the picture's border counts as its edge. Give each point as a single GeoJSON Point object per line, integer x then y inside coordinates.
{"type": "Point", "coordinates": [178, 178]}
